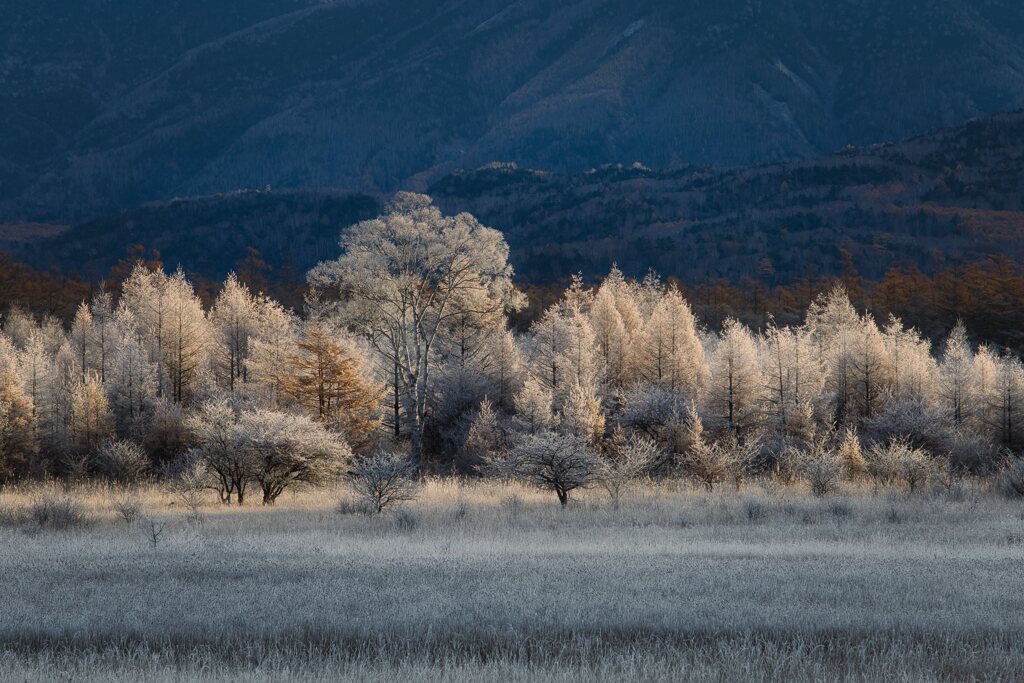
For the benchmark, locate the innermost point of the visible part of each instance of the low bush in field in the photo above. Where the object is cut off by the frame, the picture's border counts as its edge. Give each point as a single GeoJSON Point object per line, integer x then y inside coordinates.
{"type": "Point", "coordinates": [56, 513]}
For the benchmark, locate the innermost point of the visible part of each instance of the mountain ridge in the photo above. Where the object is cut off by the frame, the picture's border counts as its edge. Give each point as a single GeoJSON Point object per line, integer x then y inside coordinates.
{"type": "Point", "coordinates": [951, 196]}
{"type": "Point", "coordinates": [110, 104]}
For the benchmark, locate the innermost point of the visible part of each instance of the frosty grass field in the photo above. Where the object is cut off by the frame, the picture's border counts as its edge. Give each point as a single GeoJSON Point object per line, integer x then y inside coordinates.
{"type": "Point", "coordinates": [489, 581]}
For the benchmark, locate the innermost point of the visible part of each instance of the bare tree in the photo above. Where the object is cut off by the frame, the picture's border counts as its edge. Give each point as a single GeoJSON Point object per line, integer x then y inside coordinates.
{"type": "Point", "coordinates": [628, 459]}
{"type": "Point", "coordinates": [384, 480]}
{"type": "Point", "coordinates": [287, 450]}
{"type": "Point", "coordinates": [404, 279]}
{"type": "Point", "coordinates": [555, 462]}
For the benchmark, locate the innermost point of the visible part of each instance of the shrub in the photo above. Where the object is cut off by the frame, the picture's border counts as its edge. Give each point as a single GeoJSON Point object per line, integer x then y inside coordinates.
{"type": "Point", "coordinates": [898, 462]}
{"type": "Point", "coordinates": [122, 461]}
{"type": "Point", "coordinates": [56, 513]}
{"type": "Point", "coordinates": [627, 460]}
{"type": "Point", "coordinates": [822, 470]}
{"type": "Point", "coordinates": [555, 462]}
{"type": "Point", "coordinates": [1012, 480]}
{"type": "Point", "coordinates": [126, 504]}
{"type": "Point", "coordinates": [715, 463]}
{"type": "Point", "coordinates": [188, 482]}
{"type": "Point", "coordinates": [384, 480]}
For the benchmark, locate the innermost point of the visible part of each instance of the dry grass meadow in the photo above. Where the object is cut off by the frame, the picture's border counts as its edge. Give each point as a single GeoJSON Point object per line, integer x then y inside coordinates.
{"type": "Point", "coordinates": [493, 582]}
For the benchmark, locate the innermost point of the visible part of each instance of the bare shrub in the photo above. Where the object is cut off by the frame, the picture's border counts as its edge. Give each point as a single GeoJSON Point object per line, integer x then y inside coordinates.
{"type": "Point", "coordinates": [728, 460]}
{"type": "Point", "coordinates": [969, 453]}
{"type": "Point", "coordinates": [154, 532]}
{"type": "Point", "coordinates": [900, 463]}
{"type": "Point", "coordinates": [628, 459]}
{"type": "Point", "coordinates": [1011, 482]}
{"type": "Point", "coordinates": [821, 466]}
{"type": "Point", "coordinates": [555, 462]}
{"type": "Point", "coordinates": [125, 502]}
{"type": "Point", "coordinates": [189, 482]}
{"type": "Point", "coordinates": [384, 480]}
{"type": "Point", "coordinates": [347, 506]}
{"type": "Point", "coordinates": [822, 473]}
{"type": "Point", "coordinates": [708, 463]}
{"type": "Point", "coordinates": [56, 513]}
{"type": "Point", "coordinates": [124, 462]}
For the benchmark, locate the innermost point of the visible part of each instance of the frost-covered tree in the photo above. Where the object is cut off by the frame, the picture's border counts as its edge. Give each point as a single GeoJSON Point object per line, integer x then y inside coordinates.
{"type": "Point", "coordinates": [581, 413]}
{"type": "Point", "coordinates": [274, 344]}
{"type": "Point", "coordinates": [1009, 393]}
{"type": "Point", "coordinates": [734, 391]}
{"type": "Point", "coordinates": [189, 337]}
{"type": "Point", "coordinates": [869, 364]}
{"type": "Point", "coordinates": [131, 383]}
{"type": "Point", "coordinates": [91, 422]}
{"type": "Point", "coordinates": [533, 406]}
{"type": "Point", "coordinates": [235, 321]}
{"type": "Point", "coordinates": [81, 338]}
{"type": "Point", "coordinates": [290, 450]}
{"type": "Point", "coordinates": [669, 352]}
{"type": "Point", "coordinates": [18, 444]}
{"type": "Point", "coordinates": [955, 370]}
{"type": "Point", "coordinates": [221, 447]}
{"type": "Point", "coordinates": [384, 480]}
{"type": "Point", "coordinates": [403, 281]}
{"type": "Point", "coordinates": [912, 369]}
{"type": "Point", "coordinates": [105, 333]}
{"type": "Point", "coordinates": [610, 335]}
{"type": "Point", "coordinates": [626, 460]}
{"type": "Point", "coordinates": [555, 462]}
{"type": "Point", "coordinates": [793, 379]}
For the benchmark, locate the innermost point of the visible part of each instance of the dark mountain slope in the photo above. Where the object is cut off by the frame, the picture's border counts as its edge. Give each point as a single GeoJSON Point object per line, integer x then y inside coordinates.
{"type": "Point", "coordinates": [109, 103]}
{"type": "Point", "coordinates": [944, 198]}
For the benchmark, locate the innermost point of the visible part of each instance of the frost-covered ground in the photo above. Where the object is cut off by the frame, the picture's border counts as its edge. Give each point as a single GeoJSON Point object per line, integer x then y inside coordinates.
{"type": "Point", "coordinates": [494, 582]}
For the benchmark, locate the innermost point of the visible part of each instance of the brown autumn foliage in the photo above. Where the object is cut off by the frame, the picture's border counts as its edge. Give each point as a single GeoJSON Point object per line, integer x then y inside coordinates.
{"type": "Point", "coordinates": [325, 377]}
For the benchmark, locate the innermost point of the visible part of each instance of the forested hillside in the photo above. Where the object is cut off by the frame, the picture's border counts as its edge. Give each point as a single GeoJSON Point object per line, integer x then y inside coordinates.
{"type": "Point", "coordinates": [106, 105]}
{"type": "Point", "coordinates": [934, 202]}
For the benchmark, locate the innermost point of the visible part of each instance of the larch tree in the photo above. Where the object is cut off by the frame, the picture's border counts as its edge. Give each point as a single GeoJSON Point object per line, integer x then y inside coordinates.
{"type": "Point", "coordinates": [91, 422]}
{"type": "Point", "coordinates": [669, 351]}
{"type": "Point", "coordinates": [403, 280]}
{"type": "Point", "coordinates": [533, 406]}
{"type": "Point", "coordinates": [734, 391]}
{"type": "Point", "coordinates": [81, 337]}
{"type": "Point", "coordinates": [870, 364]}
{"type": "Point", "coordinates": [325, 376]}
{"type": "Point", "coordinates": [188, 337]}
{"type": "Point", "coordinates": [144, 303]}
{"type": "Point", "coordinates": [611, 336]}
{"type": "Point", "coordinates": [131, 384]}
{"type": "Point", "coordinates": [234, 319]}
{"type": "Point", "coordinates": [955, 370]}
{"type": "Point", "coordinates": [912, 369]}
{"type": "Point", "coordinates": [105, 334]}
{"type": "Point", "coordinates": [275, 342]}
{"type": "Point", "coordinates": [985, 393]}
{"type": "Point", "coordinates": [1010, 395]}
{"type": "Point", "coordinates": [18, 444]}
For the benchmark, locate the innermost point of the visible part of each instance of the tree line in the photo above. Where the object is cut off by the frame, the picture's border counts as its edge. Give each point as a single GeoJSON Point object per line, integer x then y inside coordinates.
{"type": "Point", "coordinates": [404, 362]}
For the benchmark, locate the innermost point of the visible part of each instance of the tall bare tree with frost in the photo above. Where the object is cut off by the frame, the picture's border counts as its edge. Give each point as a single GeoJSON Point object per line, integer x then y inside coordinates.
{"type": "Point", "coordinates": [406, 280]}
